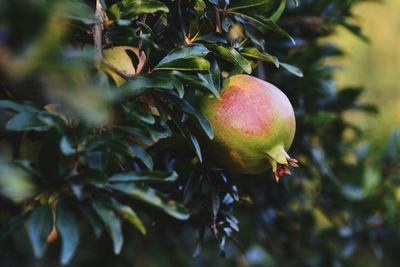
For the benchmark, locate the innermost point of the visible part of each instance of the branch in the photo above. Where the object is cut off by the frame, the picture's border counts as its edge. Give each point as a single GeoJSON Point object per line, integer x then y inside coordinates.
{"type": "Point", "coordinates": [186, 39]}
{"type": "Point", "coordinates": [218, 27]}
{"type": "Point", "coordinates": [97, 34]}
{"type": "Point", "coordinates": [114, 69]}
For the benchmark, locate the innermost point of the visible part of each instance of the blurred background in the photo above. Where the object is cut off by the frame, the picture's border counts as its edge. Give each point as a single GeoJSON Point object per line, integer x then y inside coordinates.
{"type": "Point", "coordinates": [373, 65]}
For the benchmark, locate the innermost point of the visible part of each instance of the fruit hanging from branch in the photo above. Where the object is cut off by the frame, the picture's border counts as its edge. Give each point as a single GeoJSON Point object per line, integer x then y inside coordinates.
{"type": "Point", "coordinates": [254, 126]}
{"type": "Point", "coordinates": [125, 60]}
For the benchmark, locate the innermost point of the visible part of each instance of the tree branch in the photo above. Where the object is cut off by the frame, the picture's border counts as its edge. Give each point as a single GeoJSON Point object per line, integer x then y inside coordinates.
{"type": "Point", "coordinates": [114, 69]}
{"type": "Point", "coordinates": [218, 27]}
{"type": "Point", "coordinates": [97, 34]}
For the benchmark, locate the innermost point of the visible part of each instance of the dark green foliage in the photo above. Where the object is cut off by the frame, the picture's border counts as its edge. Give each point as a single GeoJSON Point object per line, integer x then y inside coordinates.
{"type": "Point", "coordinates": [89, 158]}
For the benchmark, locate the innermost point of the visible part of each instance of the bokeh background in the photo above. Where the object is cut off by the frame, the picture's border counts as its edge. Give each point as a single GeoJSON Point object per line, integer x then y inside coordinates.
{"type": "Point", "coordinates": [374, 65]}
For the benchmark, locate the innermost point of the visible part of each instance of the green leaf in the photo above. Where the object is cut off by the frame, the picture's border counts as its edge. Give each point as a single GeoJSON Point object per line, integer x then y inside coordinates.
{"type": "Point", "coordinates": [93, 219]}
{"type": "Point", "coordinates": [66, 147]}
{"type": "Point", "coordinates": [143, 83]}
{"type": "Point", "coordinates": [231, 55]}
{"type": "Point", "coordinates": [197, 83]}
{"type": "Point", "coordinates": [188, 57]}
{"type": "Point", "coordinates": [111, 222]}
{"type": "Point", "coordinates": [178, 85]}
{"type": "Point", "coordinates": [149, 176]}
{"type": "Point", "coordinates": [292, 69]}
{"type": "Point", "coordinates": [80, 12]}
{"type": "Point", "coordinates": [11, 105]}
{"type": "Point", "coordinates": [266, 24]}
{"type": "Point", "coordinates": [213, 78]}
{"type": "Point", "coordinates": [188, 51]}
{"type": "Point", "coordinates": [39, 227]}
{"type": "Point", "coordinates": [67, 226]}
{"type": "Point", "coordinates": [131, 109]}
{"type": "Point", "coordinates": [216, 202]}
{"type": "Point", "coordinates": [153, 198]}
{"type": "Point", "coordinates": [278, 13]}
{"type": "Point", "coordinates": [26, 121]}
{"type": "Point", "coordinates": [257, 5]}
{"type": "Point", "coordinates": [254, 53]}
{"type": "Point", "coordinates": [189, 136]}
{"type": "Point", "coordinates": [186, 64]}
{"type": "Point", "coordinates": [130, 8]}
{"type": "Point", "coordinates": [142, 155]}
{"type": "Point", "coordinates": [129, 214]}
{"type": "Point", "coordinates": [204, 123]}
{"type": "Point", "coordinates": [139, 134]}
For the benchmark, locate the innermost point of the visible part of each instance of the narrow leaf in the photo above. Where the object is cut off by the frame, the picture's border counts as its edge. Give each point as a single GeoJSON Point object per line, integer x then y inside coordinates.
{"type": "Point", "coordinates": [143, 83]}
{"type": "Point", "coordinates": [231, 55]}
{"type": "Point", "coordinates": [93, 219]}
{"type": "Point", "coordinates": [129, 9]}
{"type": "Point", "coordinates": [67, 226]}
{"type": "Point", "coordinates": [204, 123]}
{"type": "Point", "coordinates": [111, 222]}
{"type": "Point", "coordinates": [150, 176]}
{"type": "Point", "coordinates": [153, 198]}
{"type": "Point", "coordinates": [142, 155]}
{"type": "Point", "coordinates": [127, 213]}
{"type": "Point", "coordinates": [186, 64]}
{"type": "Point", "coordinates": [197, 83]}
{"type": "Point", "coordinates": [278, 13]}
{"type": "Point", "coordinates": [254, 53]}
{"type": "Point", "coordinates": [19, 107]}
{"type": "Point", "coordinates": [39, 227]}
{"type": "Point", "coordinates": [26, 121]}
{"type": "Point", "coordinates": [292, 69]}
{"type": "Point", "coordinates": [189, 51]}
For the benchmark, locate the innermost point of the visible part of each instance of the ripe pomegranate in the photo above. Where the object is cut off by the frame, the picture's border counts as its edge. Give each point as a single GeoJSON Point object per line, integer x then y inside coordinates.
{"type": "Point", "coordinates": [254, 125]}
{"type": "Point", "coordinates": [119, 58]}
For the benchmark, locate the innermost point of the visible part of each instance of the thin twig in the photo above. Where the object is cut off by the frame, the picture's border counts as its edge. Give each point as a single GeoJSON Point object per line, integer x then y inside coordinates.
{"type": "Point", "coordinates": [114, 69]}
{"type": "Point", "coordinates": [218, 27]}
{"type": "Point", "coordinates": [97, 34]}
{"type": "Point", "coordinates": [186, 39]}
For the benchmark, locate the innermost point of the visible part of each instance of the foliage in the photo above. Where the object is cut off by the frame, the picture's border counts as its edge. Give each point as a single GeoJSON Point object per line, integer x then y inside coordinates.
{"type": "Point", "coordinates": [85, 156]}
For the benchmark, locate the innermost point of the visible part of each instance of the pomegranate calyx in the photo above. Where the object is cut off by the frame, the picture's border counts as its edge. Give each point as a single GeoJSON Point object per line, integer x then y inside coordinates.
{"type": "Point", "coordinates": [280, 162]}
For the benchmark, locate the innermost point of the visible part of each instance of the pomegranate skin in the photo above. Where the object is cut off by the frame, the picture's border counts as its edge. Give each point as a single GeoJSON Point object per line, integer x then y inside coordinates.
{"type": "Point", "coordinates": [119, 58]}
{"type": "Point", "coordinates": [254, 125]}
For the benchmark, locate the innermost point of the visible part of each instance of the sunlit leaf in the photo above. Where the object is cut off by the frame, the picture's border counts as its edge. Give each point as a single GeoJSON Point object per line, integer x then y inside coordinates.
{"type": "Point", "coordinates": [254, 53]}
{"type": "Point", "coordinates": [231, 55]}
{"type": "Point", "coordinates": [149, 176]}
{"type": "Point", "coordinates": [153, 198]}
{"type": "Point", "coordinates": [127, 213]}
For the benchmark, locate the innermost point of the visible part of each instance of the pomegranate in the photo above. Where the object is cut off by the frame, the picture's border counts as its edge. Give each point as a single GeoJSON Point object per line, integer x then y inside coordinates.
{"type": "Point", "coordinates": [120, 59]}
{"type": "Point", "coordinates": [254, 125]}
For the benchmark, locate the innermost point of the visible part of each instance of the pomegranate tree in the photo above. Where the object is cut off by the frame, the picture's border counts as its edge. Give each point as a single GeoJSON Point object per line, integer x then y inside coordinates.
{"type": "Point", "coordinates": [254, 126]}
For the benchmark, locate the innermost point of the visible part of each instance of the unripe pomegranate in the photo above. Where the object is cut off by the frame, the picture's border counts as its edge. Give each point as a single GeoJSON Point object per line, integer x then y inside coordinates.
{"type": "Point", "coordinates": [119, 58]}
{"type": "Point", "coordinates": [254, 125]}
